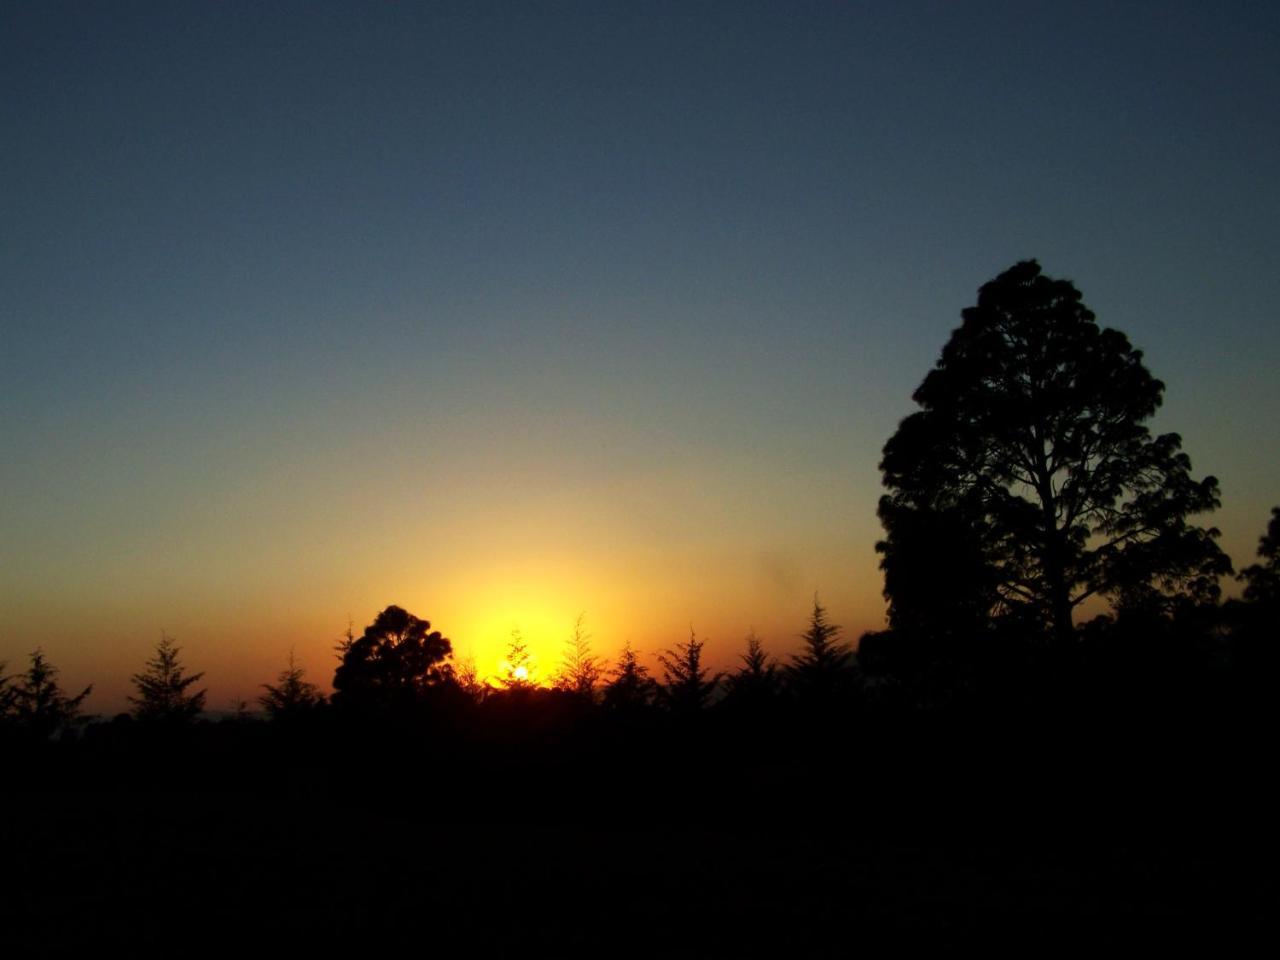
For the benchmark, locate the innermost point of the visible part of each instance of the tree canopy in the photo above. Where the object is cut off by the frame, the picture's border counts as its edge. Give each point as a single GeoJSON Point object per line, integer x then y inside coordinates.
{"type": "Point", "coordinates": [1029, 482]}
{"type": "Point", "coordinates": [394, 663]}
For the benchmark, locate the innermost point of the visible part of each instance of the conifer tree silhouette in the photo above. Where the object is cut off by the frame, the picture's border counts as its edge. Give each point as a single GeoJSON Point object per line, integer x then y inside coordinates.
{"type": "Point", "coordinates": [630, 687]}
{"type": "Point", "coordinates": [822, 671]}
{"type": "Point", "coordinates": [687, 687]}
{"type": "Point", "coordinates": [162, 688]}
{"type": "Point", "coordinates": [36, 703]}
{"type": "Point", "coordinates": [291, 696]}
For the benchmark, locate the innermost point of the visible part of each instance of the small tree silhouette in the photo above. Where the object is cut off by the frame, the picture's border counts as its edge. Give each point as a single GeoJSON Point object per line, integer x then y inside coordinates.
{"type": "Point", "coordinates": [823, 670]}
{"type": "Point", "coordinates": [37, 704]}
{"type": "Point", "coordinates": [518, 671]}
{"type": "Point", "coordinates": [162, 688]}
{"type": "Point", "coordinates": [630, 687]}
{"type": "Point", "coordinates": [291, 696]}
{"type": "Point", "coordinates": [757, 682]}
{"type": "Point", "coordinates": [686, 685]}
{"type": "Point", "coordinates": [580, 671]}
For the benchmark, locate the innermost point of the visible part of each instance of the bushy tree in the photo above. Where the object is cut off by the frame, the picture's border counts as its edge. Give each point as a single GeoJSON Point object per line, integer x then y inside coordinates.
{"type": "Point", "coordinates": [394, 664]}
{"type": "Point", "coordinates": [291, 696]}
{"type": "Point", "coordinates": [1030, 457]}
{"type": "Point", "coordinates": [162, 688]}
{"type": "Point", "coordinates": [35, 703]}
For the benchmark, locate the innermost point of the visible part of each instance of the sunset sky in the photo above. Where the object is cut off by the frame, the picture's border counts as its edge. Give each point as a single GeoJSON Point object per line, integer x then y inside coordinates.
{"type": "Point", "coordinates": [508, 312]}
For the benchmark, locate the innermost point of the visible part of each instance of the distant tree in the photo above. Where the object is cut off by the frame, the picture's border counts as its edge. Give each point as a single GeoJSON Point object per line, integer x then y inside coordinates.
{"type": "Point", "coordinates": [687, 686]}
{"type": "Point", "coordinates": [468, 679]}
{"type": "Point", "coordinates": [823, 670]}
{"type": "Point", "coordinates": [757, 682]}
{"type": "Point", "coordinates": [291, 696]}
{"type": "Point", "coordinates": [162, 688]}
{"type": "Point", "coordinates": [518, 672]}
{"type": "Point", "coordinates": [1031, 455]}
{"type": "Point", "coordinates": [395, 664]}
{"type": "Point", "coordinates": [630, 688]}
{"type": "Point", "coordinates": [35, 702]}
{"type": "Point", "coordinates": [580, 671]}
{"type": "Point", "coordinates": [1262, 580]}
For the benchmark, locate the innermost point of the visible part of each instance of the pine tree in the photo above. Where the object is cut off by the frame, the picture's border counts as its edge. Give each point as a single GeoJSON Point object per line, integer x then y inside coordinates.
{"type": "Point", "coordinates": [757, 682]}
{"type": "Point", "coordinates": [517, 671]}
{"type": "Point", "coordinates": [162, 688]}
{"type": "Point", "coordinates": [291, 696]}
{"type": "Point", "coordinates": [630, 687]}
{"type": "Point", "coordinates": [580, 670]}
{"type": "Point", "coordinates": [37, 704]}
{"type": "Point", "coordinates": [822, 672]}
{"type": "Point", "coordinates": [687, 687]}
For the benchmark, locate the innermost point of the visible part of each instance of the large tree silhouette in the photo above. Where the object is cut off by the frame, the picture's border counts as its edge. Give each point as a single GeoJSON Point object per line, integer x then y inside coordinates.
{"type": "Point", "coordinates": [393, 664]}
{"type": "Point", "coordinates": [1031, 460]}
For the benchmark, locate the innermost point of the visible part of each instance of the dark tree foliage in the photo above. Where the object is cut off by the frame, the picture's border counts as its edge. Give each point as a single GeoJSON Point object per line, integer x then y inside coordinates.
{"type": "Point", "coordinates": [1028, 482]}
{"type": "Point", "coordinates": [823, 671]}
{"type": "Point", "coordinates": [162, 688]}
{"type": "Point", "coordinates": [580, 670]}
{"type": "Point", "coordinates": [757, 682]}
{"type": "Point", "coordinates": [630, 688]}
{"type": "Point", "coordinates": [394, 664]}
{"type": "Point", "coordinates": [687, 686]}
{"type": "Point", "coordinates": [518, 672]}
{"type": "Point", "coordinates": [1262, 580]}
{"type": "Point", "coordinates": [291, 696]}
{"type": "Point", "coordinates": [34, 702]}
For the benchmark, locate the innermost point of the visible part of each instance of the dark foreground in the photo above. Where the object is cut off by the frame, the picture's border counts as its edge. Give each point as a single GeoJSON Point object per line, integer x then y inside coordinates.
{"type": "Point", "coordinates": [645, 843]}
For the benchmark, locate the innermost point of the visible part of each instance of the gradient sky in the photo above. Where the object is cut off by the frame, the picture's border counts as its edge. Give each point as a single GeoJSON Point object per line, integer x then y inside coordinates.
{"type": "Point", "coordinates": [502, 313]}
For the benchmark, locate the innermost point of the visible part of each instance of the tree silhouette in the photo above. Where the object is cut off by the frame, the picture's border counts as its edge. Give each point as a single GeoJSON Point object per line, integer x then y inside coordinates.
{"type": "Point", "coordinates": [580, 670]}
{"type": "Point", "coordinates": [162, 688]}
{"type": "Point", "coordinates": [291, 696]}
{"type": "Point", "coordinates": [35, 702]}
{"type": "Point", "coordinates": [394, 664]}
{"type": "Point", "coordinates": [518, 672]}
{"type": "Point", "coordinates": [630, 687]}
{"type": "Point", "coordinates": [1262, 580]}
{"type": "Point", "coordinates": [757, 682]}
{"type": "Point", "coordinates": [1030, 442]}
{"type": "Point", "coordinates": [823, 670]}
{"type": "Point", "coordinates": [687, 687]}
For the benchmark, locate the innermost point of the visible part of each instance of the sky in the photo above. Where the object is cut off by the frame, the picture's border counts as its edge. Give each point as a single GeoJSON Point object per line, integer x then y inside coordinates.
{"type": "Point", "coordinates": [509, 312]}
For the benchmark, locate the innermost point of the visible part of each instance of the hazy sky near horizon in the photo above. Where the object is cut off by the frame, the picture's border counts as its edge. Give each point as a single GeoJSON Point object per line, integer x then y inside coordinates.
{"type": "Point", "coordinates": [503, 312]}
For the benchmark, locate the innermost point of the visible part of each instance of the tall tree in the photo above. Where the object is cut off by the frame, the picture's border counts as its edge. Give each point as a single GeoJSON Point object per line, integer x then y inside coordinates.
{"type": "Point", "coordinates": [1031, 441]}
{"type": "Point", "coordinates": [36, 702]}
{"type": "Point", "coordinates": [162, 688]}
